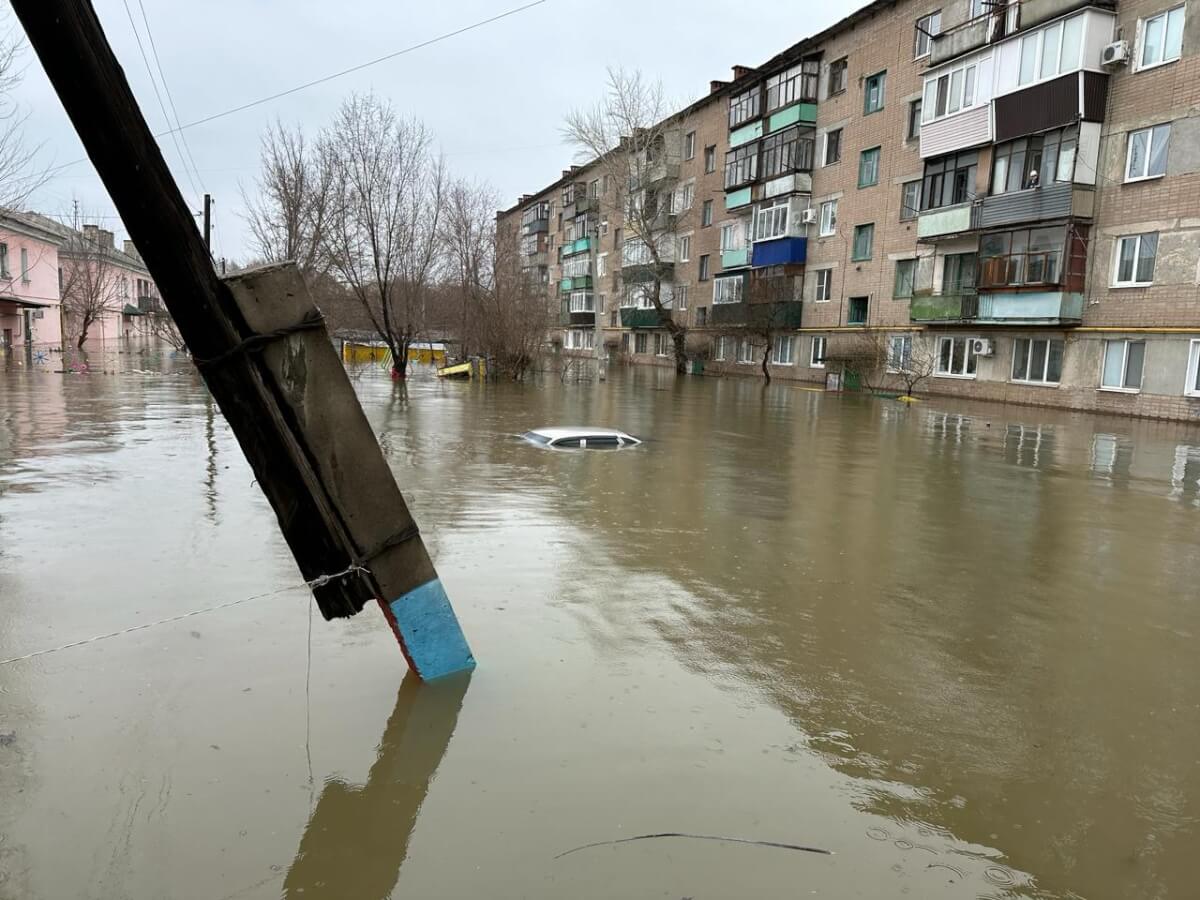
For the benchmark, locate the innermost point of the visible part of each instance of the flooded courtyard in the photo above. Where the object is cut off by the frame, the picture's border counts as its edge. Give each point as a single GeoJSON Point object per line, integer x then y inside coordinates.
{"type": "Point", "coordinates": [953, 645]}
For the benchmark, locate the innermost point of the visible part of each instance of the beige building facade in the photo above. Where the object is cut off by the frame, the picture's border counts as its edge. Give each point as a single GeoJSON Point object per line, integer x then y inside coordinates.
{"type": "Point", "coordinates": [1001, 198]}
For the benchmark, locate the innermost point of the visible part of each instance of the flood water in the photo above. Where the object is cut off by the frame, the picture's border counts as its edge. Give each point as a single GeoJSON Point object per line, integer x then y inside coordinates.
{"type": "Point", "coordinates": [954, 645]}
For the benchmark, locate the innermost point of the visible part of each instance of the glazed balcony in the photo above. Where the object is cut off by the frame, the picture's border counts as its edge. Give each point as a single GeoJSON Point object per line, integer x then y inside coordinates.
{"type": "Point", "coordinates": [783, 251]}
{"type": "Point", "coordinates": [1060, 200]}
{"type": "Point", "coordinates": [928, 307]}
{"type": "Point", "coordinates": [1052, 307]}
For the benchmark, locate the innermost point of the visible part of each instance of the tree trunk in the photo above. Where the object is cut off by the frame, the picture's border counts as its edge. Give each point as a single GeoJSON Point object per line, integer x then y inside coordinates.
{"type": "Point", "coordinates": [766, 361]}
{"type": "Point", "coordinates": [82, 338]}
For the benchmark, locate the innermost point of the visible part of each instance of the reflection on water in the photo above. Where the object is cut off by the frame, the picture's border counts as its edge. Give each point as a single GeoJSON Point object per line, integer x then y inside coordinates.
{"type": "Point", "coordinates": [357, 836]}
{"type": "Point", "coordinates": [951, 642]}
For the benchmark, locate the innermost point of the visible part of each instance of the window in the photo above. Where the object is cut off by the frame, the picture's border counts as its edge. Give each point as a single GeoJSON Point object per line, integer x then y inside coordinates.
{"type": "Point", "coordinates": [1029, 162]}
{"type": "Point", "coordinates": [1037, 361]}
{"type": "Point", "coordinates": [857, 314]}
{"type": "Point", "coordinates": [594, 188]}
{"type": "Point", "coordinates": [4, 261]}
{"type": "Point", "coordinates": [710, 158]}
{"type": "Point", "coordinates": [641, 342]}
{"type": "Point", "coordinates": [681, 296]}
{"type": "Point", "coordinates": [927, 26]}
{"type": "Point", "coordinates": [949, 180]}
{"type": "Point", "coordinates": [662, 344]}
{"type": "Point", "coordinates": [833, 146]}
{"type": "Point", "coordinates": [1135, 259]}
{"type": "Point", "coordinates": [723, 348]}
{"type": "Point", "coordinates": [783, 353]}
{"type": "Point", "coordinates": [741, 166]}
{"type": "Point", "coordinates": [977, 8]}
{"type": "Point", "coordinates": [702, 316]}
{"type": "Point", "coordinates": [745, 352]}
{"type": "Point", "coordinates": [868, 168]}
{"type": "Point", "coordinates": [1146, 153]}
{"type": "Point", "coordinates": [771, 220]}
{"type": "Point", "coordinates": [828, 218]}
{"type": "Point", "coordinates": [838, 77]}
{"type": "Point", "coordinates": [1161, 38]}
{"type": "Point", "coordinates": [948, 92]}
{"type": "Point", "coordinates": [1051, 51]}
{"type": "Point", "coordinates": [816, 354]}
{"type": "Point", "coordinates": [906, 278]}
{"type": "Point", "coordinates": [25, 266]}
{"type": "Point", "coordinates": [685, 248]}
{"type": "Point", "coordinates": [744, 107]}
{"type": "Point", "coordinates": [914, 120]}
{"type": "Point", "coordinates": [706, 213]}
{"type": "Point", "coordinates": [729, 290]}
{"type": "Point", "coordinates": [899, 353]}
{"type": "Point", "coordinates": [579, 339]}
{"type": "Point", "coordinates": [1024, 257]}
{"type": "Point", "coordinates": [1123, 362]}
{"type": "Point", "coordinates": [864, 238]}
{"type": "Point", "coordinates": [704, 267]}
{"type": "Point", "coordinates": [689, 145]}
{"type": "Point", "coordinates": [1192, 387]}
{"type": "Point", "coordinates": [731, 236]}
{"type": "Point", "coordinates": [625, 343]}
{"type": "Point", "coordinates": [786, 152]}
{"type": "Point", "coordinates": [797, 83]}
{"type": "Point", "coordinates": [581, 301]}
{"type": "Point", "coordinates": [686, 197]}
{"type": "Point", "coordinates": [824, 288]}
{"type": "Point", "coordinates": [910, 200]}
{"type": "Point", "coordinates": [601, 265]}
{"type": "Point", "coordinates": [873, 89]}
{"type": "Point", "coordinates": [956, 358]}
{"type": "Point", "coordinates": [959, 271]}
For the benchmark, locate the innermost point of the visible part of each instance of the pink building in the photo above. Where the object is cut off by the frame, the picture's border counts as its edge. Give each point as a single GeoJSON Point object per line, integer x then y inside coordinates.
{"type": "Point", "coordinates": [30, 309]}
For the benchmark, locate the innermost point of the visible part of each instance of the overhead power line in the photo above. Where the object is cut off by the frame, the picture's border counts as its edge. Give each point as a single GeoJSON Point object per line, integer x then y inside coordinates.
{"type": "Point", "coordinates": [356, 68]}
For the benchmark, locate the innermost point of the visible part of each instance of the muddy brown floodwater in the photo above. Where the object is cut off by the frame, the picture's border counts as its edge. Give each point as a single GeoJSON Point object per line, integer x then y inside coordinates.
{"type": "Point", "coordinates": [955, 645]}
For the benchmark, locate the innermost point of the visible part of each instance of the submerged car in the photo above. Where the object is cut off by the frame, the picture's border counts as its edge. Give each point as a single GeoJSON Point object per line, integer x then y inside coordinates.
{"type": "Point", "coordinates": [580, 438]}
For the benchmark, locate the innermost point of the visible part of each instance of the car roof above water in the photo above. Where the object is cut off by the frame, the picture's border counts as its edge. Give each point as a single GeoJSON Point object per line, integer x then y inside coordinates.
{"type": "Point", "coordinates": [556, 432]}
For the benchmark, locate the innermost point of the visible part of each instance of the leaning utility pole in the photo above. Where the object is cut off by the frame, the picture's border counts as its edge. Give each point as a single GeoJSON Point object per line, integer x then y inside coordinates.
{"type": "Point", "coordinates": [208, 222]}
{"type": "Point", "coordinates": [261, 346]}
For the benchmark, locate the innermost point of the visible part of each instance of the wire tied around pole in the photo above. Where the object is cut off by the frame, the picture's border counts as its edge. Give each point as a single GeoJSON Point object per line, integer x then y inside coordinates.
{"type": "Point", "coordinates": [257, 342]}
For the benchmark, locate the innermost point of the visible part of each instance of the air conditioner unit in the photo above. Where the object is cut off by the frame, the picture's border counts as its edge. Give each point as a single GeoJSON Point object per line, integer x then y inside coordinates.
{"type": "Point", "coordinates": [808, 216]}
{"type": "Point", "coordinates": [1115, 54]}
{"type": "Point", "coordinates": [982, 347]}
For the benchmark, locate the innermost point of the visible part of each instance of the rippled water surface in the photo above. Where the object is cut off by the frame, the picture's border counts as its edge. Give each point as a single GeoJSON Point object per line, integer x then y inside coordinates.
{"type": "Point", "coordinates": [955, 645]}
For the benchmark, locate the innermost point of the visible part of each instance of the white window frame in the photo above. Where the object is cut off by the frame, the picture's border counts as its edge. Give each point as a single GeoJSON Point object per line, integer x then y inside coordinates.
{"type": "Point", "coordinates": [680, 296]}
{"type": "Point", "coordinates": [601, 265]}
{"type": "Point", "coordinates": [689, 145]}
{"type": "Point", "coordinates": [934, 26]}
{"type": "Point", "coordinates": [1038, 38]}
{"type": "Point", "coordinates": [580, 339]}
{"type": "Point", "coordinates": [745, 352]}
{"type": "Point", "coordinates": [1037, 382]}
{"type": "Point", "coordinates": [905, 341]}
{"type": "Point", "coordinates": [641, 337]}
{"type": "Point", "coordinates": [968, 355]}
{"type": "Point", "coordinates": [721, 351]}
{"type": "Point", "coordinates": [685, 248]}
{"type": "Point", "coordinates": [1121, 389]}
{"type": "Point", "coordinates": [738, 293]}
{"type": "Point", "coordinates": [733, 236]}
{"type": "Point", "coordinates": [706, 214]}
{"type": "Point", "coordinates": [1150, 145]}
{"type": "Point", "coordinates": [777, 358]}
{"type": "Point", "coordinates": [825, 280]}
{"type": "Point", "coordinates": [1143, 24]}
{"type": "Point", "coordinates": [777, 215]}
{"type": "Point", "coordinates": [816, 360]}
{"type": "Point", "coordinates": [1193, 370]}
{"type": "Point", "coordinates": [828, 224]}
{"type": "Point", "coordinates": [581, 302]}
{"type": "Point", "coordinates": [955, 94]}
{"type": "Point", "coordinates": [661, 343]}
{"type": "Point", "coordinates": [1116, 270]}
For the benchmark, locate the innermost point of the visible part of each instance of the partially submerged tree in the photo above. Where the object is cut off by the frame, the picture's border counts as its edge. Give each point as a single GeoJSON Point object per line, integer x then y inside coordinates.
{"type": "Point", "coordinates": [91, 284]}
{"type": "Point", "coordinates": [767, 313]}
{"type": "Point", "coordinates": [290, 213]}
{"type": "Point", "coordinates": [512, 317]}
{"type": "Point", "coordinates": [387, 189]}
{"type": "Point", "coordinates": [634, 140]}
{"type": "Point", "coordinates": [912, 359]}
{"type": "Point", "coordinates": [469, 244]}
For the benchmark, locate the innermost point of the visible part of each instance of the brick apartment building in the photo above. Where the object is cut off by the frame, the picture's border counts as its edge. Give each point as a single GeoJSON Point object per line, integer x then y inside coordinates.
{"type": "Point", "coordinates": [1005, 191]}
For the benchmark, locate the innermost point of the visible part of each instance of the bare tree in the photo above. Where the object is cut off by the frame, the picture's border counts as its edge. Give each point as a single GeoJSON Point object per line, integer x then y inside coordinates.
{"type": "Point", "coordinates": [19, 174]}
{"type": "Point", "coordinates": [912, 359]}
{"type": "Point", "coordinates": [512, 317]}
{"type": "Point", "coordinates": [289, 216]}
{"type": "Point", "coordinates": [469, 241]}
{"type": "Point", "coordinates": [767, 313]}
{"type": "Point", "coordinates": [635, 140]}
{"type": "Point", "coordinates": [386, 194]}
{"type": "Point", "coordinates": [91, 284]}
{"type": "Point", "coordinates": [163, 327]}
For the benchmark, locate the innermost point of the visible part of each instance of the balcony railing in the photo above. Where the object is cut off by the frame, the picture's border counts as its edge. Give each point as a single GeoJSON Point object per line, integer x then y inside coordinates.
{"type": "Point", "coordinates": [735, 259]}
{"type": "Point", "coordinates": [637, 317]}
{"type": "Point", "coordinates": [947, 220]}
{"type": "Point", "coordinates": [578, 283]}
{"type": "Point", "coordinates": [785, 314]}
{"type": "Point", "coordinates": [1051, 307]}
{"type": "Point", "coordinates": [949, 306]}
{"type": "Point", "coordinates": [582, 245]}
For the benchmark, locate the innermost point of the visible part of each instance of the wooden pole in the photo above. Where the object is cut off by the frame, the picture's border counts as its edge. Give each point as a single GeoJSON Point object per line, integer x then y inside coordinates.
{"type": "Point", "coordinates": [325, 535]}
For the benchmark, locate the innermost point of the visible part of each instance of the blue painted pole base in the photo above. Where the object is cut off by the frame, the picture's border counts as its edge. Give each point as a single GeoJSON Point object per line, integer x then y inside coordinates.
{"type": "Point", "coordinates": [428, 631]}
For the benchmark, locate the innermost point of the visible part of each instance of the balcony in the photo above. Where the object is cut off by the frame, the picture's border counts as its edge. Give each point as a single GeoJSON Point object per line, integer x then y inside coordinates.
{"type": "Point", "coordinates": [1060, 200]}
{"type": "Point", "coordinates": [945, 221]}
{"type": "Point", "coordinates": [1046, 105]}
{"type": "Point", "coordinates": [636, 317]}
{"type": "Point", "coordinates": [946, 308]}
{"type": "Point", "coordinates": [735, 259]}
{"type": "Point", "coordinates": [534, 260]}
{"type": "Point", "coordinates": [641, 272]}
{"type": "Point", "coordinates": [785, 314]}
{"type": "Point", "coordinates": [653, 174]}
{"type": "Point", "coordinates": [964, 38]}
{"type": "Point", "coordinates": [536, 226]}
{"type": "Point", "coordinates": [582, 245]}
{"type": "Point", "coordinates": [746, 134]}
{"type": "Point", "coordinates": [738, 198]}
{"type": "Point", "coordinates": [586, 204]}
{"type": "Point", "coordinates": [784, 251]}
{"type": "Point", "coordinates": [797, 113]}
{"type": "Point", "coordinates": [578, 283]}
{"type": "Point", "coordinates": [1052, 307]}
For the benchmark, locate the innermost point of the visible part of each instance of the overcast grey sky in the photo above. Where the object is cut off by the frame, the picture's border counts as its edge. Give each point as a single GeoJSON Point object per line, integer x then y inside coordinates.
{"type": "Point", "coordinates": [495, 97]}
